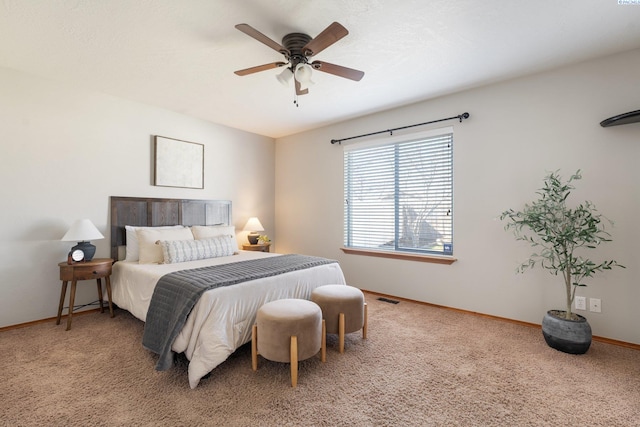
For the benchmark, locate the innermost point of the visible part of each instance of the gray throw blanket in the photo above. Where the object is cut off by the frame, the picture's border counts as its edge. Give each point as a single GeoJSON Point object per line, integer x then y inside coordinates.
{"type": "Point", "coordinates": [176, 293]}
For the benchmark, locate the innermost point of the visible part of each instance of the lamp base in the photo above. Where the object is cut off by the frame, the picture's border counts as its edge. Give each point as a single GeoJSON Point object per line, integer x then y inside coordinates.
{"type": "Point", "coordinates": [253, 238]}
{"type": "Point", "coordinates": [88, 249]}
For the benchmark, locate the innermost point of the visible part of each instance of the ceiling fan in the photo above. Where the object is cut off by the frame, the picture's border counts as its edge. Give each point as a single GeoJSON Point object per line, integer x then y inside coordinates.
{"type": "Point", "coordinates": [297, 48]}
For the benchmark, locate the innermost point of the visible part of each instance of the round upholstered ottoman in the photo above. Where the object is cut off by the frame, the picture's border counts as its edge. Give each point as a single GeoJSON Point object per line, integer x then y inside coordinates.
{"type": "Point", "coordinates": [288, 330]}
{"type": "Point", "coordinates": [343, 310]}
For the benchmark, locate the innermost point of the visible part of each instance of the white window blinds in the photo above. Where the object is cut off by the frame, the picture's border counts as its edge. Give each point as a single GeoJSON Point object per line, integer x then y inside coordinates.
{"type": "Point", "coordinates": [399, 195]}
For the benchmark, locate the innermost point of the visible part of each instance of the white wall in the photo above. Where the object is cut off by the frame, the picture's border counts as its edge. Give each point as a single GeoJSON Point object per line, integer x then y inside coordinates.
{"type": "Point", "coordinates": [518, 131]}
{"type": "Point", "coordinates": [65, 151]}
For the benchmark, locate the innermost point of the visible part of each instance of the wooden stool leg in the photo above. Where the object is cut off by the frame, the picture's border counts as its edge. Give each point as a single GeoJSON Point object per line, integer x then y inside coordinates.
{"type": "Point", "coordinates": [341, 332]}
{"type": "Point", "coordinates": [323, 345]}
{"type": "Point", "coordinates": [100, 295]}
{"type": "Point", "coordinates": [72, 299]}
{"type": "Point", "coordinates": [294, 361]}
{"type": "Point", "coordinates": [107, 282]}
{"type": "Point", "coordinates": [63, 293]}
{"type": "Point", "coordinates": [254, 347]}
{"type": "Point", "coordinates": [364, 327]}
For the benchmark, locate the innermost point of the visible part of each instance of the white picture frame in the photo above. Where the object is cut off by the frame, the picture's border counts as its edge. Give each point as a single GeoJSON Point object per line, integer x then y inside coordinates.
{"type": "Point", "coordinates": [178, 163]}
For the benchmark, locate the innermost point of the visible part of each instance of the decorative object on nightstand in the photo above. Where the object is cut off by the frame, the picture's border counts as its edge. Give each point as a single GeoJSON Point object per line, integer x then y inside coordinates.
{"type": "Point", "coordinates": [75, 256]}
{"type": "Point", "coordinates": [253, 226]}
{"type": "Point", "coordinates": [95, 269]}
{"type": "Point", "coordinates": [82, 231]}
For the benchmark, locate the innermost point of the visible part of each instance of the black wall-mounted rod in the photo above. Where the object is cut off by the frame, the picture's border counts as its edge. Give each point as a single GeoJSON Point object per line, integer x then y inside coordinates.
{"type": "Point", "coordinates": [460, 117]}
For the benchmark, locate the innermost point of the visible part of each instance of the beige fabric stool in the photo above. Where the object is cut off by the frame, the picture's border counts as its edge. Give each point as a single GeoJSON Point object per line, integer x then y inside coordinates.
{"type": "Point", "coordinates": [343, 309]}
{"type": "Point", "coordinates": [288, 330]}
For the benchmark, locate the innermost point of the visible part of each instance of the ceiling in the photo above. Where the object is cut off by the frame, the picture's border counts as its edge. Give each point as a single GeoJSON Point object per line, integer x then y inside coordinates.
{"type": "Point", "coordinates": [181, 55]}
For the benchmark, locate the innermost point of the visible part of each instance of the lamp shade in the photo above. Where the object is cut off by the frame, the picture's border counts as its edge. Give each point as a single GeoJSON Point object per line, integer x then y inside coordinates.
{"type": "Point", "coordinates": [81, 231]}
{"type": "Point", "coordinates": [253, 225]}
{"type": "Point", "coordinates": [285, 77]}
{"type": "Point", "coordinates": [303, 75]}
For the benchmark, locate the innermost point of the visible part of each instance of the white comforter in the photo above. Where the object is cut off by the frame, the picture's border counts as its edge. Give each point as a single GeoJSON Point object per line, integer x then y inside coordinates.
{"type": "Point", "coordinates": [221, 320]}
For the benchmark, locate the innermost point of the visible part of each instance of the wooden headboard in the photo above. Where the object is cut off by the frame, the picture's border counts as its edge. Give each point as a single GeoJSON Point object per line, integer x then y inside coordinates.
{"type": "Point", "coordinates": [151, 212]}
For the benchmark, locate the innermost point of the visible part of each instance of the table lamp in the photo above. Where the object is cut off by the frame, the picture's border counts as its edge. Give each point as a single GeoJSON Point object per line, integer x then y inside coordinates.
{"type": "Point", "coordinates": [253, 226]}
{"type": "Point", "coordinates": [82, 231]}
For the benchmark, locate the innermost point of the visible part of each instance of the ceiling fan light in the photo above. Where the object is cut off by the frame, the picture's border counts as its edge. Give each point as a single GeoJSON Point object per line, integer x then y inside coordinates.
{"type": "Point", "coordinates": [303, 75]}
{"type": "Point", "coordinates": [285, 77]}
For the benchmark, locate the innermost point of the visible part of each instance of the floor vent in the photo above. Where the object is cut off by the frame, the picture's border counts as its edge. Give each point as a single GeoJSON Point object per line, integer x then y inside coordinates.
{"type": "Point", "coordinates": [391, 301]}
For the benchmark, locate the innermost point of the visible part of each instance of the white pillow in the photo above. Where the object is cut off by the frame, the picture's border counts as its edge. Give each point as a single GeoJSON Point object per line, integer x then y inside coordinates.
{"type": "Point", "coordinates": [133, 249]}
{"type": "Point", "coordinates": [190, 250]}
{"type": "Point", "coordinates": [150, 252]}
{"type": "Point", "coordinates": [208, 231]}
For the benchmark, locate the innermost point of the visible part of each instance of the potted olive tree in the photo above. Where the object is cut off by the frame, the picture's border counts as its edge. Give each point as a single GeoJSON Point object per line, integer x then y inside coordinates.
{"type": "Point", "coordinates": [561, 237]}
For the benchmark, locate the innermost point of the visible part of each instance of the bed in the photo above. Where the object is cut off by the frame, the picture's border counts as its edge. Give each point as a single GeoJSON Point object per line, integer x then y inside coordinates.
{"type": "Point", "coordinates": [220, 321]}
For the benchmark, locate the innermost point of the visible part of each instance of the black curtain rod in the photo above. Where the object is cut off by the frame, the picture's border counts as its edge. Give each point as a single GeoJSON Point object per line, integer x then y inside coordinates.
{"type": "Point", "coordinates": [460, 117]}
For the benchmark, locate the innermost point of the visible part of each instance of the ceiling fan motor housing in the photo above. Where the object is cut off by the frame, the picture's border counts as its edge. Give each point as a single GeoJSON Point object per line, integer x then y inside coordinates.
{"type": "Point", "coordinates": [294, 42]}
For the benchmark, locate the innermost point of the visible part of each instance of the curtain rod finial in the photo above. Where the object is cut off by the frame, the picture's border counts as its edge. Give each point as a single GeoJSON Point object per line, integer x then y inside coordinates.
{"type": "Point", "coordinates": [333, 141]}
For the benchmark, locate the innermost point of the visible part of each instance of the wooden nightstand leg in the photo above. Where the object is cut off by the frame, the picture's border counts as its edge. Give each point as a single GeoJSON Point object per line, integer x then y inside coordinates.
{"type": "Point", "coordinates": [107, 282]}
{"type": "Point", "coordinates": [72, 298]}
{"type": "Point", "coordinates": [100, 295]}
{"type": "Point", "coordinates": [63, 293]}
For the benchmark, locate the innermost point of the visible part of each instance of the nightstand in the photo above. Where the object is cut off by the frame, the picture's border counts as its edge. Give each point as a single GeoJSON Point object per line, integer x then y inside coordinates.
{"type": "Point", "coordinates": [260, 247]}
{"type": "Point", "coordinates": [97, 268]}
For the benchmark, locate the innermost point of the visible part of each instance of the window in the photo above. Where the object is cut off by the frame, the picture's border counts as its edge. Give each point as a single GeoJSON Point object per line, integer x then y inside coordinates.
{"type": "Point", "coordinates": [399, 194]}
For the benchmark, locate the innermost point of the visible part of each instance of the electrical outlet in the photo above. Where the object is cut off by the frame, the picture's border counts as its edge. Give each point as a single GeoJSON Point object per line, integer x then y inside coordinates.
{"type": "Point", "coordinates": [595, 305]}
{"type": "Point", "coordinates": [580, 302]}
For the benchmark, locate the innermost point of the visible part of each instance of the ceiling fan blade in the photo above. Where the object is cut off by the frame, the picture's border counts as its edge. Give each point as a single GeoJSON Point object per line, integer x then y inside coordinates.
{"type": "Point", "coordinates": [338, 70]}
{"type": "Point", "coordinates": [329, 36]}
{"type": "Point", "coordinates": [299, 90]}
{"type": "Point", "coordinates": [259, 68]}
{"type": "Point", "coordinates": [252, 32]}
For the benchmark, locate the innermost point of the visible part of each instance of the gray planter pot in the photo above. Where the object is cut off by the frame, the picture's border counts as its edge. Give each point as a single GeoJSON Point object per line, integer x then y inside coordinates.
{"type": "Point", "coordinates": [569, 336]}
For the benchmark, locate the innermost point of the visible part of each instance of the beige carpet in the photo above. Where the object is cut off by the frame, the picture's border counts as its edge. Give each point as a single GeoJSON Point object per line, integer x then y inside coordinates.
{"type": "Point", "coordinates": [421, 366]}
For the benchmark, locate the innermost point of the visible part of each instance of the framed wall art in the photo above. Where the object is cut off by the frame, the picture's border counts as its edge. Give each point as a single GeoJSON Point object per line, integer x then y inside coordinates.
{"type": "Point", "coordinates": [178, 163]}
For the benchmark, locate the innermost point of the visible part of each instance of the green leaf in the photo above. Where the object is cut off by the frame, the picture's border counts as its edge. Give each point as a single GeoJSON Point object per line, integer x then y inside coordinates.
{"type": "Point", "coordinates": [558, 231]}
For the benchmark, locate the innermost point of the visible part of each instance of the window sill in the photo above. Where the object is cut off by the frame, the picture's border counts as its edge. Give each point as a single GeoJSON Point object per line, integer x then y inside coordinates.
{"type": "Point", "coordinates": [436, 259]}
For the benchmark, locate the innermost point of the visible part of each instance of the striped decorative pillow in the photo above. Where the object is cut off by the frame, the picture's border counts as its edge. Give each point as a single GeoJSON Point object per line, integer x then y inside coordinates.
{"type": "Point", "coordinates": [175, 251]}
